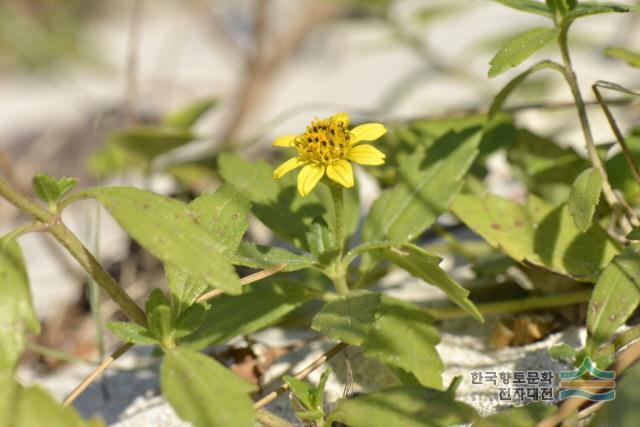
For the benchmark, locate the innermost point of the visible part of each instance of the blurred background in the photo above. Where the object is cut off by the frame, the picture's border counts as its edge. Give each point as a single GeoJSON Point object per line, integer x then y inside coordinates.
{"type": "Point", "coordinates": [74, 73]}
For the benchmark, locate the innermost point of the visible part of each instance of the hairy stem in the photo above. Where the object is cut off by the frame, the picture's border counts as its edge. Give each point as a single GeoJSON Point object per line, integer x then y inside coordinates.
{"type": "Point", "coordinates": [54, 226]}
{"type": "Point", "coordinates": [339, 276]}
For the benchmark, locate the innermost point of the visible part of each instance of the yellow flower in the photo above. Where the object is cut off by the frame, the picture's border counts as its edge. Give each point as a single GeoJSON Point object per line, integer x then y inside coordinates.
{"type": "Point", "coordinates": [327, 146]}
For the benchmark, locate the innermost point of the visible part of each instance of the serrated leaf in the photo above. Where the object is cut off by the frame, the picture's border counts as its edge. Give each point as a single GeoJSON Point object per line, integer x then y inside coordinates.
{"type": "Point", "coordinates": [586, 8]}
{"type": "Point", "coordinates": [319, 238]}
{"type": "Point", "coordinates": [188, 116]}
{"type": "Point", "coordinates": [17, 315]}
{"type": "Point", "coordinates": [402, 337]}
{"type": "Point", "coordinates": [521, 47]}
{"type": "Point", "coordinates": [185, 289]}
{"type": "Point", "coordinates": [260, 256]}
{"type": "Point", "coordinates": [406, 406]}
{"type": "Point", "coordinates": [421, 264]}
{"type": "Point", "coordinates": [429, 179]}
{"type": "Point", "coordinates": [584, 198]}
{"type": "Point", "coordinates": [189, 379]}
{"type": "Point", "coordinates": [33, 407]}
{"type": "Point", "coordinates": [539, 234]}
{"type": "Point", "coordinates": [261, 305]}
{"type": "Point", "coordinates": [132, 332]}
{"type": "Point", "coordinates": [627, 55]}
{"type": "Point", "coordinates": [50, 189]}
{"type": "Point", "coordinates": [156, 299]}
{"type": "Point", "coordinates": [161, 324]}
{"type": "Point", "coordinates": [224, 215]}
{"type": "Point", "coordinates": [501, 97]}
{"type": "Point", "coordinates": [529, 6]}
{"type": "Point", "coordinates": [309, 396]}
{"type": "Point", "coordinates": [524, 416]}
{"type": "Point", "coordinates": [615, 296]}
{"type": "Point", "coordinates": [166, 228]}
{"type": "Point", "coordinates": [348, 318]}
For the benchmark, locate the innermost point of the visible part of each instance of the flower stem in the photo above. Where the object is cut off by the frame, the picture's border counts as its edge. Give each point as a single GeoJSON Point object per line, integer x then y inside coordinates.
{"type": "Point", "coordinates": [339, 274]}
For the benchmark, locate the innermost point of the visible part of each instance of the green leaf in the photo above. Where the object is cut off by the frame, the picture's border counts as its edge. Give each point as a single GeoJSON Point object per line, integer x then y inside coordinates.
{"type": "Point", "coordinates": [132, 332]}
{"type": "Point", "coordinates": [406, 406]}
{"type": "Point", "coordinates": [161, 325]}
{"type": "Point", "coordinates": [425, 266]}
{"type": "Point", "coordinates": [615, 296]}
{"type": "Point", "coordinates": [17, 315]}
{"type": "Point", "coordinates": [586, 8]}
{"type": "Point", "coordinates": [189, 320]}
{"type": "Point", "coordinates": [309, 396]}
{"type": "Point", "coordinates": [501, 97]}
{"type": "Point", "coordinates": [539, 234]}
{"type": "Point", "coordinates": [112, 159]}
{"type": "Point", "coordinates": [524, 416]}
{"type": "Point", "coordinates": [224, 215]}
{"type": "Point", "coordinates": [50, 189]}
{"type": "Point", "coordinates": [189, 115]}
{"type": "Point", "coordinates": [429, 180]}
{"type": "Point", "coordinates": [563, 351]}
{"type": "Point", "coordinates": [521, 47]}
{"type": "Point", "coordinates": [184, 288]}
{"type": "Point", "coordinates": [151, 142]}
{"type": "Point", "coordinates": [584, 198]}
{"type": "Point", "coordinates": [259, 256]}
{"type": "Point", "coordinates": [204, 392]}
{"type": "Point", "coordinates": [630, 57]}
{"type": "Point", "coordinates": [320, 239]}
{"type": "Point", "coordinates": [402, 337]}
{"type": "Point", "coordinates": [348, 318]}
{"type": "Point", "coordinates": [156, 299]}
{"type": "Point", "coordinates": [529, 6]}
{"type": "Point", "coordinates": [167, 229]}
{"type": "Point", "coordinates": [33, 407]}
{"type": "Point", "coordinates": [262, 305]}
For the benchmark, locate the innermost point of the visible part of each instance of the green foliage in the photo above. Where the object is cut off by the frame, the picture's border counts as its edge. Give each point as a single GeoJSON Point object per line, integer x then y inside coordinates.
{"type": "Point", "coordinates": [260, 256]}
{"type": "Point", "coordinates": [408, 406]}
{"type": "Point", "coordinates": [587, 8]}
{"type": "Point", "coordinates": [16, 311]}
{"type": "Point", "coordinates": [33, 407]}
{"type": "Point", "coordinates": [189, 115]}
{"type": "Point", "coordinates": [402, 337]}
{"type": "Point", "coordinates": [52, 190]}
{"type": "Point", "coordinates": [627, 55]}
{"type": "Point", "coordinates": [539, 234]}
{"type": "Point", "coordinates": [136, 148]}
{"type": "Point", "coordinates": [261, 305]}
{"type": "Point", "coordinates": [529, 6]}
{"type": "Point", "coordinates": [348, 318]}
{"type": "Point", "coordinates": [132, 332]}
{"type": "Point", "coordinates": [563, 351]}
{"type": "Point", "coordinates": [425, 266]}
{"type": "Point", "coordinates": [189, 379]}
{"type": "Point", "coordinates": [310, 397]}
{"type": "Point", "coordinates": [615, 296]}
{"type": "Point", "coordinates": [584, 198]}
{"type": "Point", "coordinates": [167, 228]}
{"type": "Point", "coordinates": [521, 47]}
{"type": "Point", "coordinates": [624, 410]}
{"type": "Point", "coordinates": [429, 178]}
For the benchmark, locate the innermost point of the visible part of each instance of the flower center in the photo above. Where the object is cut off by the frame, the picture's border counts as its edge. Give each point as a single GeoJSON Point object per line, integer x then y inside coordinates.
{"type": "Point", "coordinates": [324, 142]}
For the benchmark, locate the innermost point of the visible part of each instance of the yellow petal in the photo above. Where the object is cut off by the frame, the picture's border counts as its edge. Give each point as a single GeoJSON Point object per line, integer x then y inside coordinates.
{"type": "Point", "coordinates": [287, 167]}
{"type": "Point", "coordinates": [308, 178]}
{"type": "Point", "coordinates": [366, 154]}
{"type": "Point", "coordinates": [367, 132]}
{"type": "Point", "coordinates": [341, 172]}
{"type": "Point", "coordinates": [342, 117]}
{"type": "Point", "coordinates": [284, 141]}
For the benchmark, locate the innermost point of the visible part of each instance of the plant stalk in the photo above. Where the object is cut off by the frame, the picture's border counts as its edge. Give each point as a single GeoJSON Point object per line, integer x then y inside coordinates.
{"type": "Point", "coordinates": [594, 157]}
{"type": "Point", "coordinates": [54, 226]}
